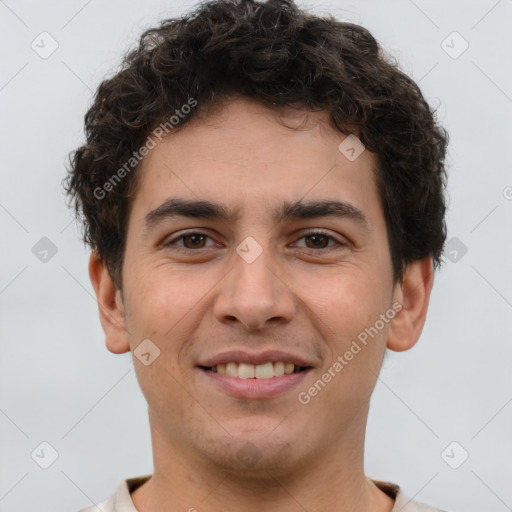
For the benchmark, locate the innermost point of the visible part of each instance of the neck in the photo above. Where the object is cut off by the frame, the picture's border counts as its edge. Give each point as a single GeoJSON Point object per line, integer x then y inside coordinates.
{"type": "Point", "coordinates": [183, 481]}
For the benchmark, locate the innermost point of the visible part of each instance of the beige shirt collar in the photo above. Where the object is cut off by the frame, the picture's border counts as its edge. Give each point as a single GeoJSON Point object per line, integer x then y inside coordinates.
{"type": "Point", "coordinates": [121, 501]}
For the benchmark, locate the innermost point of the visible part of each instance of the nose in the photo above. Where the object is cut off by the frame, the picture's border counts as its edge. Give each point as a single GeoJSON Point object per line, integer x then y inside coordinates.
{"type": "Point", "coordinates": [255, 294]}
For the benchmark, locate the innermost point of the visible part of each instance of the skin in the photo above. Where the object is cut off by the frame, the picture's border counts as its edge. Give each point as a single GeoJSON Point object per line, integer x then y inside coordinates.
{"type": "Point", "coordinates": [303, 295]}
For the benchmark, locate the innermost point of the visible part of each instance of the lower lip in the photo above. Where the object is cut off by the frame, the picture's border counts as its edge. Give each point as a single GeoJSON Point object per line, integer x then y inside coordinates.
{"type": "Point", "coordinates": [256, 388]}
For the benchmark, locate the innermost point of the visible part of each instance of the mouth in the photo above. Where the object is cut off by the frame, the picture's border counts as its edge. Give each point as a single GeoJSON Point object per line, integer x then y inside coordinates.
{"type": "Point", "coordinates": [254, 376]}
{"type": "Point", "coordinates": [268, 370]}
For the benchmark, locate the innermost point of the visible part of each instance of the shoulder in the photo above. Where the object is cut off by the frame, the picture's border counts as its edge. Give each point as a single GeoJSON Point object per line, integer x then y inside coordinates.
{"type": "Point", "coordinates": [403, 503]}
{"type": "Point", "coordinates": [121, 500]}
{"type": "Point", "coordinates": [105, 506]}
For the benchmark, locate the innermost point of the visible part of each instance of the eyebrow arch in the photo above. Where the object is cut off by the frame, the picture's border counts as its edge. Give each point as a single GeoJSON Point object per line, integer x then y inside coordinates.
{"type": "Point", "coordinates": [198, 209]}
{"type": "Point", "coordinates": [195, 209]}
{"type": "Point", "coordinates": [313, 209]}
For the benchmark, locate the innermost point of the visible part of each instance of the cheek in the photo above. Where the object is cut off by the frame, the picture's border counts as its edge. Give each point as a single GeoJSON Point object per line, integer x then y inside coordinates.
{"type": "Point", "coordinates": [163, 309]}
{"type": "Point", "coordinates": [166, 306]}
{"type": "Point", "coordinates": [346, 297]}
{"type": "Point", "coordinates": [345, 309]}
{"type": "Point", "coordinates": [162, 297]}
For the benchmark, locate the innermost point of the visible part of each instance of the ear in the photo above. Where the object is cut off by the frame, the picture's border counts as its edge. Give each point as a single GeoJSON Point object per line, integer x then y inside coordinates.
{"type": "Point", "coordinates": [111, 307]}
{"type": "Point", "coordinates": [413, 293]}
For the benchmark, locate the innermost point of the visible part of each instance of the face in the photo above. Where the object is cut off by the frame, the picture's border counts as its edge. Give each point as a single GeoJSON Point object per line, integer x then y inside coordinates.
{"type": "Point", "coordinates": [256, 250]}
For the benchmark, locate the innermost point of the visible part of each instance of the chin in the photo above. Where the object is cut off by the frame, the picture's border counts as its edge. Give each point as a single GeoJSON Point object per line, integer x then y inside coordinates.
{"type": "Point", "coordinates": [258, 454]}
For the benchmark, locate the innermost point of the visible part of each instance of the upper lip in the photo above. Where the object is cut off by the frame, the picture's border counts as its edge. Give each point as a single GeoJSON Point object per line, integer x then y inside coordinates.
{"type": "Point", "coordinates": [242, 356]}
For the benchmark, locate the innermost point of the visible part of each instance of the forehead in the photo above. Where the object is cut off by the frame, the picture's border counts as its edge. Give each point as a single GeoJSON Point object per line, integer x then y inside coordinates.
{"type": "Point", "coordinates": [253, 158]}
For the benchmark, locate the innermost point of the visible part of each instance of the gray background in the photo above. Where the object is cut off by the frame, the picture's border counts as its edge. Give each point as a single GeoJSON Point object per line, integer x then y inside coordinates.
{"type": "Point", "coordinates": [59, 384]}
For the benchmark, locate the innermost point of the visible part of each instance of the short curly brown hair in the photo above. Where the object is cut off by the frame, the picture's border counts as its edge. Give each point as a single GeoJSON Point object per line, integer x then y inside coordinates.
{"type": "Point", "coordinates": [281, 56]}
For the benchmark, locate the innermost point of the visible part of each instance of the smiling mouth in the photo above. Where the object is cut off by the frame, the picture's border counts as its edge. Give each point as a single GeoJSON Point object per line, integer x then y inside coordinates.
{"type": "Point", "coordinates": [260, 371]}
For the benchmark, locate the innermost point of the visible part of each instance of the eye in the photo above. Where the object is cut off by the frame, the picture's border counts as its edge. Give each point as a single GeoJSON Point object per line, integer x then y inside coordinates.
{"type": "Point", "coordinates": [195, 240]}
{"type": "Point", "coordinates": [191, 241]}
{"type": "Point", "coordinates": [319, 240]}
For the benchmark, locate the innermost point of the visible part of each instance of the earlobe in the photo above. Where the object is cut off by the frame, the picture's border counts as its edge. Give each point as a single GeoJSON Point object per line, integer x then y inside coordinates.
{"type": "Point", "coordinates": [111, 307]}
{"type": "Point", "coordinates": [413, 294]}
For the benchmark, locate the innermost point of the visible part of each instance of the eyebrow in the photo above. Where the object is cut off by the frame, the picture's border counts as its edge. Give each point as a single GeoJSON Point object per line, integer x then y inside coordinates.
{"type": "Point", "coordinates": [197, 209]}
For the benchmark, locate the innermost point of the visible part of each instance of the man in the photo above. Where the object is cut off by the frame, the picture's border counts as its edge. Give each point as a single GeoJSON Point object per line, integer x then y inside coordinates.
{"type": "Point", "coordinates": [263, 192]}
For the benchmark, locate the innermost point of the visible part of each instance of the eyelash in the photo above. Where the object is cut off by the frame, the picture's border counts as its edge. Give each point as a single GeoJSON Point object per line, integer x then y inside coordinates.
{"type": "Point", "coordinates": [310, 233]}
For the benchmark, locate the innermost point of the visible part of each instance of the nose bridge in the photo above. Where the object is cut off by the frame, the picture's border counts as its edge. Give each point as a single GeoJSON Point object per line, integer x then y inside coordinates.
{"type": "Point", "coordinates": [253, 269]}
{"type": "Point", "coordinates": [252, 292]}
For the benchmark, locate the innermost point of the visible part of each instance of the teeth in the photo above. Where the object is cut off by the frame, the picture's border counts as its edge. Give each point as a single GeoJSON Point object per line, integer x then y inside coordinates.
{"type": "Point", "coordinates": [259, 371]}
{"type": "Point", "coordinates": [246, 371]}
{"type": "Point", "coordinates": [279, 369]}
{"type": "Point", "coordinates": [232, 369]}
{"type": "Point", "coordinates": [263, 371]}
{"type": "Point", "coordinates": [289, 367]}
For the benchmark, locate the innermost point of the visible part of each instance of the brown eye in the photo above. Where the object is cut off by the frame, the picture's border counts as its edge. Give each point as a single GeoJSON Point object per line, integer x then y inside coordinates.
{"type": "Point", "coordinates": [319, 241]}
{"type": "Point", "coordinates": [190, 241]}
{"type": "Point", "coordinates": [194, 241]}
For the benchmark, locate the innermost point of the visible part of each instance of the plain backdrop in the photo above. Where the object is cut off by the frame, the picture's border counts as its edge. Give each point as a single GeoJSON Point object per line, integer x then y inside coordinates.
{"type": "Point", "coordinates": [446, 400]}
